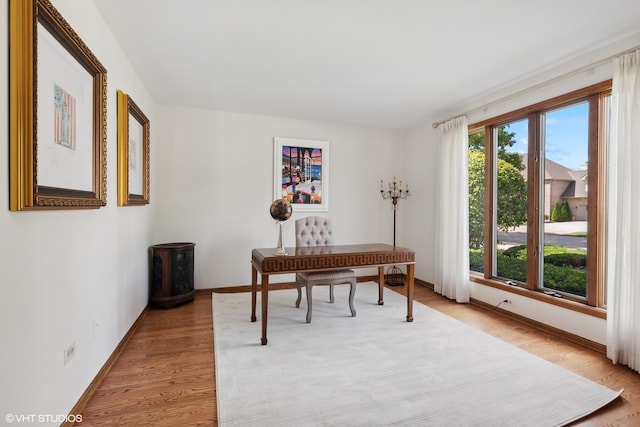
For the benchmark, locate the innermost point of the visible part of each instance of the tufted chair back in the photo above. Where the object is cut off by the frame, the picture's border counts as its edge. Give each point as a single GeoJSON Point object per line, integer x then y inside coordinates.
{"type": "Point", "coordinates": [313, 231]}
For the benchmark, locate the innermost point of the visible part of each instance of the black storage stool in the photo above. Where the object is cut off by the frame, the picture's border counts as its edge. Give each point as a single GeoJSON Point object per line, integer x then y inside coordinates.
{"type": "Point", "coordinates": [171, 276]}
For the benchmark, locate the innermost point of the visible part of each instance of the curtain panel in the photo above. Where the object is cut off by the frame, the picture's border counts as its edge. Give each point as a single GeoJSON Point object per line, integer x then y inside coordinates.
{"type": "Point", "coordinates": [623, 208]}
{"type": "Point", "coordinates": [452, 214]}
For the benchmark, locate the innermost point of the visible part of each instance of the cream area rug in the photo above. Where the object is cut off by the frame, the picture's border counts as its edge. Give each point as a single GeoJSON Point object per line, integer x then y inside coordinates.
{"type": "Point", "coordinates": [376, 369]}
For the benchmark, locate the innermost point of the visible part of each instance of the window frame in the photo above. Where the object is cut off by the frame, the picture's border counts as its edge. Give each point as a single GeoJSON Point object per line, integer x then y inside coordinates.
{"type": "Point", "coordinates": [596, 95]}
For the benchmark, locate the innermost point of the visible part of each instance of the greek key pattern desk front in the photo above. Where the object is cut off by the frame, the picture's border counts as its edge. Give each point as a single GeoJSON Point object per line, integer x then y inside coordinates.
{"type": "Point", "coordinates": [379, 255]}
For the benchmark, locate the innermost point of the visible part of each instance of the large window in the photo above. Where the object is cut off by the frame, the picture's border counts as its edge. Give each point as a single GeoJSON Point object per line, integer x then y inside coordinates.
{"type": "Point", "coordinates": [536, 186]}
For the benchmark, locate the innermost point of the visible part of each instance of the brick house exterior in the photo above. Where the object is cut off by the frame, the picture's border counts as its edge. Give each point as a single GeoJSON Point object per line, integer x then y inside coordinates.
{"type": "Point", "coordinates": [563, 184]}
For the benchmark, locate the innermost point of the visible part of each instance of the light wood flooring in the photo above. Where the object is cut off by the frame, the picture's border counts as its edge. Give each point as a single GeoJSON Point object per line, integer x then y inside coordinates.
{"type": "Point", "coordinates": [166, 374]}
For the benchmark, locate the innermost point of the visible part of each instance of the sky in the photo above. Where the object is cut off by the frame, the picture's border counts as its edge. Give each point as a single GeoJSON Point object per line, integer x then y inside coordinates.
{"type": "Point", "coordinates": [566, 135]}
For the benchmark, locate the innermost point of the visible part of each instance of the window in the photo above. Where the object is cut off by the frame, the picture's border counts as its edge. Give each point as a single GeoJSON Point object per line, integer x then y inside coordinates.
{"type": "Point", "coordinates": [536, 186]}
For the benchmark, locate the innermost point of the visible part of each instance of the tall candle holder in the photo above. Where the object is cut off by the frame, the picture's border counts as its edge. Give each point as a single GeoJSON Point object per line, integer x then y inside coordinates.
{"type": "Point", "coordinates": [395, 191]}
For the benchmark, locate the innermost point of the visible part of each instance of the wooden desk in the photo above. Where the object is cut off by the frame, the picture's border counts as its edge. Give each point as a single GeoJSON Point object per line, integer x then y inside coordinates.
{"type": "Point", "coordinates": [320, 258]}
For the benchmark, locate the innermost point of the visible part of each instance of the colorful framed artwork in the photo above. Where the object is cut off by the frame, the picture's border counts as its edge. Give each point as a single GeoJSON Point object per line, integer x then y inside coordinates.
{"type": "Point", "coordinates": [301, 173]}
{"type": "Point", "coordinates": [57, 113]}
{"type": "Point", "coordinates": [133, 153]}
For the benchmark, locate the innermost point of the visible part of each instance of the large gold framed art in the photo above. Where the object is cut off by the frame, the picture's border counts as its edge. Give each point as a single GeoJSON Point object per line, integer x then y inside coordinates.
{"type": "Point", "coordinates": [133, 153]}
{"type": "Point", "coordinates": [57, 113]}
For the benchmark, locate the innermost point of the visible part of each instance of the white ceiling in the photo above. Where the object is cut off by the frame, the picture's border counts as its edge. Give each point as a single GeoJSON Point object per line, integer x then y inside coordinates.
{"type": "Point", "coordinates": [382, 63]}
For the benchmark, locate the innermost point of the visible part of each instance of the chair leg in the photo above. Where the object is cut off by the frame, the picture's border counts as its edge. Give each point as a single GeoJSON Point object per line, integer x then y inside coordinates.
{"type": "Point", "coordinates": [298, 286]}
{"type": "Point", "coordinates": [331, 298]}
{"type": "Point", "coordinates": [309, 300]}
{"type": "Point", "coordinates": [352, 292]}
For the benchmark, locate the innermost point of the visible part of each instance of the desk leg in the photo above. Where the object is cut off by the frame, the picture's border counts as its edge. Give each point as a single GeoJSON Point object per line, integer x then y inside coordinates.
{"type": "Point", "coordinates": [410, 278]}
{"type": "Point", "coordinates": [380, 285]}
{"type": "Point", "coordinates": [265, 304]}
{"type": "Point", "coordinates": [254, 290]}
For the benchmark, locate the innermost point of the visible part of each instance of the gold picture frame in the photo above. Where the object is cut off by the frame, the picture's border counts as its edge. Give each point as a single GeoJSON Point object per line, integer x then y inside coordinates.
{"type": "Point", "coordinates": [133, 153]}
{"type": "Point", "coordinates": [57, 113]}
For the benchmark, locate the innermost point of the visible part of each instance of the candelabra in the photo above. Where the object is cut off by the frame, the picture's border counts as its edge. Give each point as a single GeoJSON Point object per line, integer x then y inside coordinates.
{"type": "Point", "coordinates": [396, 191]}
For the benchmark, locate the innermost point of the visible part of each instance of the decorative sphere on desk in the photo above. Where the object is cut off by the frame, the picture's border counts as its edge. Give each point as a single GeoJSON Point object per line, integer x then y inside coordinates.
{"type": "Point", "coordinates": [280, 210]}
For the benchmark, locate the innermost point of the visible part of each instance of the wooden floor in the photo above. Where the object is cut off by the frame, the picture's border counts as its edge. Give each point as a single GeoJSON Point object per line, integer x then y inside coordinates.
{"type": "Point", "coordinates": [166, 377]}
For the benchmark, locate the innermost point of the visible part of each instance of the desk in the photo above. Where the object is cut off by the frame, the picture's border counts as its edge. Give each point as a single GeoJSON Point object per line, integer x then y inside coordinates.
{"type": "Point", "coordinates": [320, 258]}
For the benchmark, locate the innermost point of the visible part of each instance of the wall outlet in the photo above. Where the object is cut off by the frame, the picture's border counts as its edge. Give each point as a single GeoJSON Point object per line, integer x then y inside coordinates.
{"type": "Point", "coordinates": [507, 301]}
{"type": "Point", "coordinates": [69, 352]}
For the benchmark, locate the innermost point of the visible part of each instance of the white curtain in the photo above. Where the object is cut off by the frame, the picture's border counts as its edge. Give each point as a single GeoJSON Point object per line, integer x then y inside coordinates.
{"type": "Point", "coordinates": [452, 212]}
{"type": "Point", "coordinates": [623, 213]}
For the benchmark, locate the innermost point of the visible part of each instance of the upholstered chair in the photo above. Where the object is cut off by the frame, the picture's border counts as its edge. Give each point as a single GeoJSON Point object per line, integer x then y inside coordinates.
{"type": "Point", "coordinates": [315, 231]}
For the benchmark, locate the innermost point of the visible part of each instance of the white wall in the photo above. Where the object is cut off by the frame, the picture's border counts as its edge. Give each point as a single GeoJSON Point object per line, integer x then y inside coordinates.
{"type": "Point", "coordinates": [63, 270]}
{"type": "Point", "coordinates": [215, 173]}
{"type": "Point", "coordinates": [421, 163]}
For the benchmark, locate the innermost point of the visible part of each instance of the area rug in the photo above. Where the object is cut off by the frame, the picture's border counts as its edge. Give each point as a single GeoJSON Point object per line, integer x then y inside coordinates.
{"type": "Point", "coordinates": [376, 369]}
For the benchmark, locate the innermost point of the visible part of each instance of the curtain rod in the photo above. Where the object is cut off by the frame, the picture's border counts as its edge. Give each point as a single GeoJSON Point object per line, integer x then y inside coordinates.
{"type": "Point", "coordinates": [541, 85]}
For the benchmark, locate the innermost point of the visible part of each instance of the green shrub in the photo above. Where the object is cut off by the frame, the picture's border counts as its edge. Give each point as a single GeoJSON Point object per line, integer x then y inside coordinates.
{"type": "Point", "coordinates": [565, 212]}
{"type": "Point", "coordinates": [512, 268]}
{"type": "Point", "coordinates": [569, 259]}
{"type": "Point", "coordinates": [555, 213]}
{"type": "Point", "coordinates": [519, 252]}
{"type": "Point", "coordinates": [566, 279]}
{"type": "Point", "coordinates": [476, 260]}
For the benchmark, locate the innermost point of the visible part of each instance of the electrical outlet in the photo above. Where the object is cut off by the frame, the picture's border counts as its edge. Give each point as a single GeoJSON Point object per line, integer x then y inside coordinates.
{"type": "Point", "coordinates": [507, 301]}
{"type": "Point", "coordinates": [69, 352]}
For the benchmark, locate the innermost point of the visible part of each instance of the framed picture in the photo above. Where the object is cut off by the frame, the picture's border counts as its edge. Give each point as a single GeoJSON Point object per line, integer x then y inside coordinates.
{"type": "Point", "coordinates": [57, 113]}
{"type": "Point", "coordinates": [301, 173]}
{"type": "Point", "coordinates": [133, 153]}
